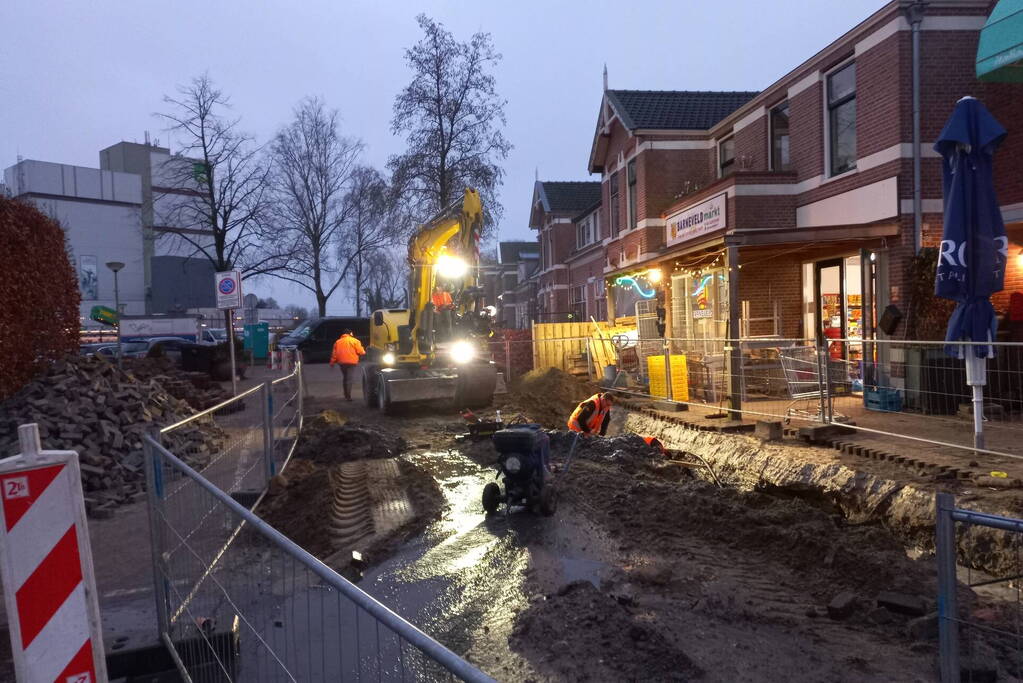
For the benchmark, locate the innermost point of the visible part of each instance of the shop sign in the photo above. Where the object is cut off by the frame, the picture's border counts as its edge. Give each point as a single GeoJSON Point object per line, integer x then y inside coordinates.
{"type": "Point", "coordinates": [697, 221]}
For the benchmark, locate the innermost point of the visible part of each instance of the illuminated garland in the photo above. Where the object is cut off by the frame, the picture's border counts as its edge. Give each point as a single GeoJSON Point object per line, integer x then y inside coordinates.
{"type": "Point", "coordinates": [625, 280]}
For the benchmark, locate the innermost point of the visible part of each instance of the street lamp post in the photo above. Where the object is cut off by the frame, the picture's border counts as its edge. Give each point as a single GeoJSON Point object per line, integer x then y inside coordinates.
{"type": "Point", "coordinates": [116, 266]}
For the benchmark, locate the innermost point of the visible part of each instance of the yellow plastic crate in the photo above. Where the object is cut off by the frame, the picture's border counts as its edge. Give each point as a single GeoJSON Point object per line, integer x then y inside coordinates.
{"type": "Point", "coordinates": [679, 377]}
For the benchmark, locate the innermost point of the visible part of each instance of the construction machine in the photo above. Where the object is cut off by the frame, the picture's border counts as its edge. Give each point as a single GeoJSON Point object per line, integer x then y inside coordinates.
{"type": "Point", "coordinates": [425, 354]}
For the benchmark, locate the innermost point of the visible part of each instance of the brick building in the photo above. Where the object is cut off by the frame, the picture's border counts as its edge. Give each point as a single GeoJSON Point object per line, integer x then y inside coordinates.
{"type": "Point", "coordinates": [500, 279]}
{"type": "Point", "coordinates": [557, 209]}
{"type": "Point", "coordinates": [801, 197]}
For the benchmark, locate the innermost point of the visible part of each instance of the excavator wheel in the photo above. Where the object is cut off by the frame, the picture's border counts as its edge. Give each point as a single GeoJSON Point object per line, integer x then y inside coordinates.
{"type": "Point", "coordinates": [383, 395]}
{"type": "Point", "coordinates": [370, 385]}
{"type": "Point", "coordinates": [475, 387]}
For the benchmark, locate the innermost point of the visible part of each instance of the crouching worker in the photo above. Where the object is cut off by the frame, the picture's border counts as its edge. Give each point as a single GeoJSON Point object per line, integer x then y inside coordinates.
{"type": "Point", "coordinates": [592, 415]}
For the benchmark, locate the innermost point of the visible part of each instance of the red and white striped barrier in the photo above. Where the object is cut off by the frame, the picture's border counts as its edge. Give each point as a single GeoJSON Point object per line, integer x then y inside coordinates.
{"type": "Point", "coordinates": [46, 562]}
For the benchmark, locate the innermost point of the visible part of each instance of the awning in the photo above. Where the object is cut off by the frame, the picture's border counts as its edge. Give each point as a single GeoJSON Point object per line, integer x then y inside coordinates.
{"type": "Point", "coordinates": [1000, 49]}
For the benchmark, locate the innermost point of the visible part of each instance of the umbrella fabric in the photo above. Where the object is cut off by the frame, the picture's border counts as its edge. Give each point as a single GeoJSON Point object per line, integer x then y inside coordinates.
{"type": "Point", "coordinates": [974, 247]}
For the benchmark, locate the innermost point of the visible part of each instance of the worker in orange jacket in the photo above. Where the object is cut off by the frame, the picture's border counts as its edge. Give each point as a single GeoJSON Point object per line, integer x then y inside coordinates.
{"type": "Point", "coordinates": [592, 415]}
{"type": "Point", "coordinates": [347, 351]}
{"type": "Point", "coordinates": [442, 306]}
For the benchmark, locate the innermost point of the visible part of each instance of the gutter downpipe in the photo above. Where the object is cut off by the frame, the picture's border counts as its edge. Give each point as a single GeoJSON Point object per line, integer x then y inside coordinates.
{"type": "Point", "coordinates": [915, 13]}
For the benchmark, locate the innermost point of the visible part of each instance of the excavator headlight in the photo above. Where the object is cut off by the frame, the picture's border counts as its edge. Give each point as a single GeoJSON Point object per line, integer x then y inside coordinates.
{"type": "Point", "coordinates": [462, 352]}
{"type": "Point", "coordinates": [491, 311]}
{"type": "Point", "coordinates": [388, 358]}
{"type": "Point", "coordinates": [451, 267]}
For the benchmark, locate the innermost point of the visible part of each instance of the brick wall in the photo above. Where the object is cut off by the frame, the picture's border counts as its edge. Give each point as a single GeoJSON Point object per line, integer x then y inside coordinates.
{"type": "Point", "coordinates": [751, 146]}
{"type": "Point", "coordinates": [662, 175]}
{"type": "Point", "coordinates": [776, 279]}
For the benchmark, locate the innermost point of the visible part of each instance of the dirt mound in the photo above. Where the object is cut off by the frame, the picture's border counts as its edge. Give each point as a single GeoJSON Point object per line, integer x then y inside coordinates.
{"type": "Point", "coordinates": [582, 634]}
{"type": "Point", "coordinates": [303, 501]}
{"type": "Point", "coordinates": [823, 552]}
{"type": "Point", "coordinates": [299, 504]}
{"type": "Point", "coordinates": [622, 449]}
{"type": "Point", "coordinates": [548, 396]}
{"type": "Point", "coordinates": [324, 440]}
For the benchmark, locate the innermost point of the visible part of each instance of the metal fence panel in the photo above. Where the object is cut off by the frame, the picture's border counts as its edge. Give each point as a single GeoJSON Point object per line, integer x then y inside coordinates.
{"type": "Point", "coordinates": [974, 645]}
{"type": "Point", "coordinates": [237, 600]}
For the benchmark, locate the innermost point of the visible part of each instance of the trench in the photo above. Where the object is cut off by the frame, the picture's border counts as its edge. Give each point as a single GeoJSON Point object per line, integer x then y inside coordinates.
{"type": "Point", "coordinates": [791, 469]}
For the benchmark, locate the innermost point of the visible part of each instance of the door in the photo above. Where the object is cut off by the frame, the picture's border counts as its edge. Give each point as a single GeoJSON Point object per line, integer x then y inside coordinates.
{"type": "Point", "coordinates": [829, 286]}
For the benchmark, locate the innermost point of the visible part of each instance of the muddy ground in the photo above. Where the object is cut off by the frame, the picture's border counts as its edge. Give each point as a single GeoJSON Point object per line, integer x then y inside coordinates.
{"type": "Point", "coordinates": [648, 571]}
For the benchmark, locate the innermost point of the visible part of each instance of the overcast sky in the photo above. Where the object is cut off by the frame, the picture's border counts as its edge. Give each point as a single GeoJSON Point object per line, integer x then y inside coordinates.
{"type": "Point", "coordinates": [79, 76]}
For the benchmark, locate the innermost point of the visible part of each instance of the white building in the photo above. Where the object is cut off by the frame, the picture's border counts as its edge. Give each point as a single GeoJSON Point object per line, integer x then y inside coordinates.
{"type": "Point", "coordinates": [101, 212]}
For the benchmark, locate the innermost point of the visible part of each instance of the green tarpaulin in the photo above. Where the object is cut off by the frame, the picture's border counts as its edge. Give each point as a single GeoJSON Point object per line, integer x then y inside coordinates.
{"type": "Point", "coordinates": [1000, 49]}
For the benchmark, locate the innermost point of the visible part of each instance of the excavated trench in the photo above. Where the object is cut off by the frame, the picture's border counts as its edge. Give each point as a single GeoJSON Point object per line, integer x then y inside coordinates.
{"type": "Point", "coordinates": [893, 497]}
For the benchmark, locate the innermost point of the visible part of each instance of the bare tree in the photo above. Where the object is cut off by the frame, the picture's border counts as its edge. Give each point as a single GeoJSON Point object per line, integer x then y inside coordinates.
{"type": "Point", "coordinates": [313, 164]}
{"type": "Point", "coordinates": [385, 283]}
{"type": "Point", "coordinates": [452, 117]}
{"type": "Point", "coordinates": [212, 194]}
{"type": "Point", "coordinates": [372, 225]}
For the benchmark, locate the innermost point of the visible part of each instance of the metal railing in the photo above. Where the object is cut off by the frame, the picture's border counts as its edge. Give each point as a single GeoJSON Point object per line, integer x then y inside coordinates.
{"type": "Point", "coordinates": [974, 644]}
{"type": "Point", "coordinates": [913, 391]}
{"type": "Point", "coordinates": [228, 443]}
{"type": "Point", "coordinates": [285, 410]}
{"type": "Point", "coordinates": [238, 600]}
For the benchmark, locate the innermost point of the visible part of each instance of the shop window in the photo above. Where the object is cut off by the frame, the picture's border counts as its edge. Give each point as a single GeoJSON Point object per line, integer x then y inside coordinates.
{"type": "Point", "coordinates": [780, 137]}
{"type": "Point", "coordinates": [631, 178]}
{"type": "Point", "coordinates": [726, 157]}
{"type": "Point", "coordinates": [578, 303]}
{"type": "Point", "coordinates": [842, 119]}
{"type": "Point", "coordinates": [699, 311]}
{"type": "Point", "coordinates": [615, 206]}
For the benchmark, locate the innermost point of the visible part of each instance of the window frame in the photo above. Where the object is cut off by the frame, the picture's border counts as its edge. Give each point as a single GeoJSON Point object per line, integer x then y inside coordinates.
{"type": "Point", "coordinates": [829, 107]}
{"type": "Point", "coordinates": [771, 114]}
{"type": "Point", "coordinates": [583, 233]}
{"type": "Point", "coordinates": [726, 169]}
{"type": "Point", "coordinates": [615, 204]}
{"type": "Point", "coordinates": [632, 218]}
{"type": "Point", "coordinates": [577, 303]}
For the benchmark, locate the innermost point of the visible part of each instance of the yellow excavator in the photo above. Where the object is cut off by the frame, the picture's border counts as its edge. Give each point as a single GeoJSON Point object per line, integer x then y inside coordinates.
{"type": "Point", "coordinates": [423, 354]}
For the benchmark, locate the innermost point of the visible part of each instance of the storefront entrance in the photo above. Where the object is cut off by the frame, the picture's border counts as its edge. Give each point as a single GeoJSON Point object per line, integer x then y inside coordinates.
{"type": "Point", "coordinates": [834, 304]}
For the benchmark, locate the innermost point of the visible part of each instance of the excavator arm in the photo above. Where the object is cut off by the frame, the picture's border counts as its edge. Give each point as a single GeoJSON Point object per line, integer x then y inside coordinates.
{"type": "Point", "coordinates": [448, 241]}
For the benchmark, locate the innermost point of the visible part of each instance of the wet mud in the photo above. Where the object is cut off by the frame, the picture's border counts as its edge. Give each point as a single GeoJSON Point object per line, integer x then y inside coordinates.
{"type": "Point", "coordinates": [648, 571]}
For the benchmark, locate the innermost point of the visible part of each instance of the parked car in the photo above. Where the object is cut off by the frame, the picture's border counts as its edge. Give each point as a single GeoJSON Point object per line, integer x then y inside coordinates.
{"type": "Point", "coordinates": [94, 348]}
{"type": "Point", "coordinates": [168, 346]}
{"type": "Point", "coordinates": [315, 338]}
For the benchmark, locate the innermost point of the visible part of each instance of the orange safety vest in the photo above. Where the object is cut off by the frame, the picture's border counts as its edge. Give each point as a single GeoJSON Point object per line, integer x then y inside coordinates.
{"type": "Point", "coordinates": [441, 300]}
{"type": "Point", "coordinates": [654, 442]}
{"type": "Point", "coordinates": [347, 350]}
{"type": "Point", "coordinates": [596, 419]}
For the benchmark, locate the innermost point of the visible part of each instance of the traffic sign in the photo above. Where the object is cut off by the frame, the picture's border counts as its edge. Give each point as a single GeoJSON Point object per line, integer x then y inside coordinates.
{"type": "Point", "coordinates": [229, 289]}
{"type": "Point", "coordinates": [104, 314]}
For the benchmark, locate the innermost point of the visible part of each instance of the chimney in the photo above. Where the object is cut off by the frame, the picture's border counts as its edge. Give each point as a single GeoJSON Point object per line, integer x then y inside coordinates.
{"type": "Point", "coordinates": [605, 77]}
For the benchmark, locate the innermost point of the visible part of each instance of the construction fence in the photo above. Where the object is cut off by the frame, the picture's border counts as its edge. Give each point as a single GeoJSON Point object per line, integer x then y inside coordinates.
{"type": "Point", "coordinates": [239, 601]}
{"type": "Point", "coordinates": [976, 643]}
{"type": "Point", "coordinates": [913, 391]}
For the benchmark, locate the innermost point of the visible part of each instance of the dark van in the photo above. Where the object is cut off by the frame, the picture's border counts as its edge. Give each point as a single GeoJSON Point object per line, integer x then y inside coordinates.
{"type": "Point", "coordinates": [315, 338]}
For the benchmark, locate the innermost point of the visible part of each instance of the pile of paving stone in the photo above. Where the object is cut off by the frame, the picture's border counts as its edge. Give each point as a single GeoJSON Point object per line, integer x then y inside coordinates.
{"type": "Point", "coordinates": [93, 407]}
{"type": "Point", "coordinates": [198, 389]}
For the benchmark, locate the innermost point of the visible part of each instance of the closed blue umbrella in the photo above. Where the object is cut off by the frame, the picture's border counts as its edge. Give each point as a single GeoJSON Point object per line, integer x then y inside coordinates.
{"type": "Point", "coordinates": [974, 248]}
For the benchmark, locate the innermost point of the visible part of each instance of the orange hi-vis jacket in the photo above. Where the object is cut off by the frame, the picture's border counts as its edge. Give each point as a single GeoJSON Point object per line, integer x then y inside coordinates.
{"type": "Point", "coordinates": [592, 426]}
{"type": "Point", "coordinates": [347, 350]}
{"type": "Point", "coordinates": [441, 300]}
